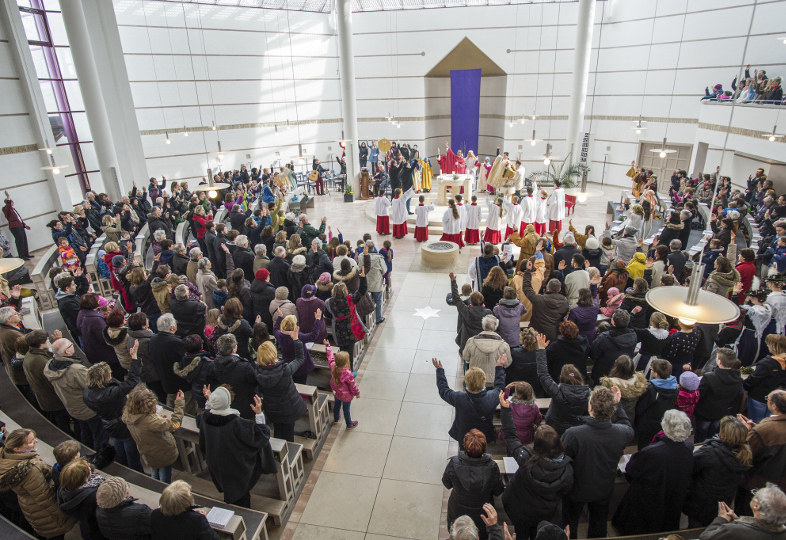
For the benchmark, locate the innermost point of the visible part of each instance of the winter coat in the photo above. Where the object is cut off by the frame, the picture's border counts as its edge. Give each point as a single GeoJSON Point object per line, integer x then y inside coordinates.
{"type": "Point", "coordinates": [279, 268]}
{"type": "Point", "coordinates": [474, 482]}
{"type": "Point", "coordinates": [537, 488]}
{"type": "Point", "coordinates": [68, 377]}
{"type": "Point", "coordinates": [324, 290]}
{"type": "Point", "coordinates": [568, 401]}
{"type": "Point", "coordinates": [262, 294]}
{"type": "Point", "coordinates": [129, 520]}
{"type": "Point", "coordinates": [548, 309]}
{"type": "Point", "coordinates": [242, 331]}
{"type": "Point", "coordinates": [143, 296]}
{"type": "Point", "coordinates": [680, 349]}
{"type": "Point", "coordinates": [190, 316]}
{"type": "Point", "coordinates": [342, 316]}
{"type": "Point", "coordinates": [244, 259]}
{"type": "Point", "coordinates": [469, 317]}
{"type": "Point", "coordinates": [717, 390]}
{"type": "Point", "coordinates": [8, 337]}
{"type": "Point", "coordinates": [768, 444]}
{"type": "Point", "coordinates": [280, 398]}
{"type": "Point", "coordinates": [30, 478]}
{"type": "Point", "coordinates": [716, 475]}
{"type": "Point", "coordinates": [526, 417]}
{"type": "Point", "coordinates": [768, 375]}
{"type": "Point", "coordinates": [564, 351]}
{"type": "Point", "coordinates": [642, 318]}
{"type": "Point", "coordinates": [149, 373]}
{"type": "Point", "coordinates": [189, 525]}
{"type": "Point", "coordinates": [34, 364]}
{"type": "Point", "coordinates": [651, 407]}
{"type": "Point", "coordinates": [483, 351]}
{"type": "Point", "coordinates": [68, 305]}
{"type": "Point", "coordinates": [350, 279]}
{"type": "Point", "coordinates": [344, 389]}
{"type": "Point", "coordinates": [375, 272]}
{"type": "Point", "coordinates": [287, 345]}
{"type": "Point", "coordinates": [207, 283]}
{"type": "Point", "coordinates": [653, 340]}
{"type": "Point", "coordinates": [198, 369]}
{"type": "Point", "coordinates": [596, 447]}
{"type": "Point", "coordinates": [237, 451]}
{"type": "Point", "coordinates": [81, 503]}
{"type": "Point", "coordinates": [108, 402]}
{"type": "Point", "coordinates": [671, 232]}
{"type": "Point", "coordinates": [166, 349]}
{"type": "Point", "coordinates": [161, 293]}
{"type": "Point", "coordinates": [686, 401]}
{"type": "Point", "coordinates": [523, 367]}
{"type": "Point", "coordinates": [746, 527]}
{"type": "Point", "coordinates": [153, 435]}
{"type": "Point", "coordinates": [630, 389]}
{"type": "Point", "coordinates": [721, 283]}
{"type": "Point", "coordinates": [179, 264]}
{"type": "Point", "coordinates": [660, 472]}
{"type": "Point", "coordinates": [240, 374]}
{"type": "Point", "coordinates": [586, 318]}
{"type": "Point", "coordinates": [472, 410]}
{"type": "Point", "coordinates": [306, 315]}
{"type": "Point", "coordinates": [509, 313]}
{"type": "Point", "coordinates": [117, 338]}
{"type": "Point", "coordinates": [609, 346]}
{"type": "Point", "coordinates": [491, 297]}
{"type": "Point", "coordinates": [92, 324]}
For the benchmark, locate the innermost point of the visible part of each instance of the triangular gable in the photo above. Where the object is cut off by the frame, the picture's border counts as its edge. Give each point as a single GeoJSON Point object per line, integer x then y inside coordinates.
{"type": "Point", "coordinates": [466, 55]}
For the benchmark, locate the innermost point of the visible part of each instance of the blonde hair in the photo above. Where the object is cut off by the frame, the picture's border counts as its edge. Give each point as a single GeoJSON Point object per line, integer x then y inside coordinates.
{"type": "Point", "coordinates": [75, 474]}
{"type": "Point", "coordinates": [212, 317]}
{"type": "Point", "coordinates": [529, 338]}
{"type": "Point", "coordinates": [638, 210]}
{"type": "Point", "coordinates": [776, 343]}
{"type": "Point", "coordinates": [294, 242]}
{"type": "Point", "coordinates": [735, 434]}
{"type": "Point", "coordinates": [496, 279]}
{"type": "Point", "coordinates": [141, 400]}
{"type": "Point", "coordinates": [342, 363]}
{"type": "Point", "coordinates": [98, 375]}
{"type": "Point", "coordinates": [288, 323]}
{"type": "Point", "coordinates": [658, 320]}
{"type": "Point", "coordinates": [111, 246]}
{"type": "Point", "coordinates": [475, 380]}
{"type": "Point", "coordinates": [176, 498]}
{"type": "Point", "coordinates": [266, 353]}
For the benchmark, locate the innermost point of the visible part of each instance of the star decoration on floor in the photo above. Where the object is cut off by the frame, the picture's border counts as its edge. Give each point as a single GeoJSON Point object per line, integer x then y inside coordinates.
{"type": "Point", "coordinates": [426, 312]}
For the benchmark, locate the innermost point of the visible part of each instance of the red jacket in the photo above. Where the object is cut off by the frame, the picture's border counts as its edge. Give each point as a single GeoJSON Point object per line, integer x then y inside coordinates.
{"type": "Point", "coordinates": [13, 217]}
{"type": "Point", "coordinates": [199, 225]}
{"type": "Point", "coordinates": [747, 270]}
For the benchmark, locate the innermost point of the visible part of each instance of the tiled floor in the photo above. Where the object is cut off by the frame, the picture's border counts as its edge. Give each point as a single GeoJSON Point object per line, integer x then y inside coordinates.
{"type": "Point", "coordinates": [383, 479]}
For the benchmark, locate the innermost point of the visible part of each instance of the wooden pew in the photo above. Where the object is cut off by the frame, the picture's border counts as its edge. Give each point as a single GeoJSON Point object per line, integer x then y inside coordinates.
{"type": "Point", "coordinates": [9, 531]}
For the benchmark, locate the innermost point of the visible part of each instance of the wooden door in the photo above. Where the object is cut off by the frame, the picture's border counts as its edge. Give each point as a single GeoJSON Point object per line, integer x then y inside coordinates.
{"type": "Point", "coordinates": [663, 168]}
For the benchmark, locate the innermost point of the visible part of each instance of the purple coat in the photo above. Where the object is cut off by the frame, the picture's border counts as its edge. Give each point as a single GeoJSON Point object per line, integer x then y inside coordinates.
{"type": "Point", "coordinates": [526, 416]}
{"type": "Point", "coordinates": [586, 318]}
{"type": "Point", "coordinates": [306, 315]}
{"type": "Point", "coordinates": [509, 313]}
{"type": "Point", "coordinates": [287, 346]}
{"type": "Point", "coordinates": [91, 325]}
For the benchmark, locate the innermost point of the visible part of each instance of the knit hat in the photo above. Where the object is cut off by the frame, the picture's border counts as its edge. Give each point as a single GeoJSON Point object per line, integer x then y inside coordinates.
{"type": "Point", "coordinates": [718, 86]}
{"type": "Point", "coordinates": [220, 401]}
{"type": "Point", "coordinates": [262, 274]}
{"type": "Point", "coordinates": [102, 302]}
{"type": "Point", "coordinates": [298, 263]}
{"type": "Point", "coordinates": [612, 292]}
{"type": "Point", "coordinates": [308, 291]}
{"type": "Point", "coordinates": [118, 261]}
{"type": "Point", "coordinates": [591, 243]}
{"type": "Point", "coordinates": [689, 381]}
{"type": "Point", "coordinates": [325, 277]}
{"type": "Point", "coordinates": [282, 293]}
{"type": "Point", "coordinates": [112, 492]}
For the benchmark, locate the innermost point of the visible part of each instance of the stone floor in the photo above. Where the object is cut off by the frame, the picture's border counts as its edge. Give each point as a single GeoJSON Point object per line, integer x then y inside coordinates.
{"type": "Point", "coordinates": [383, 479]}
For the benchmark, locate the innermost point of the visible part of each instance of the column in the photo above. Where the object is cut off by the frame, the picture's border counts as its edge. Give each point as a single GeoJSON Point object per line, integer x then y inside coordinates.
{"type": "Point", "coordinates": [90, 85]}
{"type": "Point", "coordinates": [348, 103]}
{"type": "Point", "coordinates": [581, 62]}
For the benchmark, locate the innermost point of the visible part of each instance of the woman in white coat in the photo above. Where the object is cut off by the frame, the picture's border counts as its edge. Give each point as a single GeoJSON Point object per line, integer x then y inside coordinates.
{"type": "Point", "coordinates": [421, 219]}
{"type": "Point", "coordinates": [556, 207]}
{"type": "Point", "coordinates": [472, 231]}
{"type": "Point", "coordinates": [494, 221]}
{"type": "Point", "coordinates": [400, 212]}
{"type": "Point", "coordinates": [451, 225]}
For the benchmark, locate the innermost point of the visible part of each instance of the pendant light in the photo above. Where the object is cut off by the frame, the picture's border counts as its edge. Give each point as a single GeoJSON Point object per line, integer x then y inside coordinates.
{"type": "Point", "coordinates": [168, 140]}
{"type": "Point", "coordinates": [663, 151]}
{"type": "Point", "coordinates": [54, 167]}
{"type": "Point", "coordinates": [773, 136]}
{"type": "Point", "coordinates": [547, 157]}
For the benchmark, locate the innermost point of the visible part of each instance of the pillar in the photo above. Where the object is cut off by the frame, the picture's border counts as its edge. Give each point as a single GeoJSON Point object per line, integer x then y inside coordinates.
{"type": "Point", "coordinates": [348, 102]}
{"type": "Point", "coordinates": [581, 63]}
{"type": "Point", "coordinates": [92, 94]}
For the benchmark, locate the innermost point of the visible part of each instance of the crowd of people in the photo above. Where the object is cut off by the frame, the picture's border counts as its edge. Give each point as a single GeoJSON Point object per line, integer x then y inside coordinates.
{"type": "Point", "coordinates": [220, 327]}
{"type": "Point", "coordinates": [750, 89]}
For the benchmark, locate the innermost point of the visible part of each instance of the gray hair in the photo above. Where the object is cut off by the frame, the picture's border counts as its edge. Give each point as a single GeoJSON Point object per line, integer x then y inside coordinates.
{"type": "Point", "coordinates": [179, 248]}
{"type": "Point", "coordinates": [676, 425]}
{"type": "Point", "coordinates": [241, 240]}
{"type": "Point", "coordinates": [60, 346]}
{"type": "Point", "coordinates": [181, 292]}
{"type": "Point", "coordinates": [369, 246]}
{"type": "Point", "coordinates": [159, 235]}
{"type": "Point", "coordinates": [772, 504]}
{"type": "Point", "coordinates": [195, 254]}
{"type": "Point", "coordinates": [768, 199]}
{"type": "Point", "coordinates": [280, 251]}
{"type": "Point", "coordinates": [260, 250]}
{"type": "Point", "coordinates": [226, 344]}
{"type": "Point", "coordinates": [6, 313]}
{"type": "Point", "coordinates": [165, 322]}
{"type": "Point", "coordinates": [303, 217]}
{"type": "Point", "coordinates": [203, 263]}
{"type": "Point", "coordinates": [316, 241]}
{"type": "Point", "coordinates": [675, 245]}
{"type": "Point", "coordinates": [464, 528]}
{"type": "Point", "coordinates": [685, 214]}
{"type": "Point", "coordinates": [489, 323]}
{"type": "Point", "coordinates": [553, 285]}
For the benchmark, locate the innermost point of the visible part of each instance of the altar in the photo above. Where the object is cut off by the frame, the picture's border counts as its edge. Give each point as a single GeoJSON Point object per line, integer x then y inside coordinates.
{"type": "Point", "coordinates": [446, 181]}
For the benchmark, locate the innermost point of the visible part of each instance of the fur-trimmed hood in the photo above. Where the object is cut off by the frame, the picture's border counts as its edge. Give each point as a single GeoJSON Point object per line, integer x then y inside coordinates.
{"type": "Point", "coordinates": [324, 287]}
{"type": "Point", "coordinates": [189, 364]}
{"type": "Point", "coordinates": [115, 336]}
{"type": "Point", "coordinates": [17, 474]}
{"type": "Point", "coordinates": [338, 276]}
{"type": "Point", "coordinates": [629, 388]}
{"type": "Point", "coordinates": [229, 328]}
{"type": "Point", "coordinates": [676, 227]}
{"type": "Point", "coordinates": [298, 251]}
{"type": "Point", "coordinates": [726, 279]}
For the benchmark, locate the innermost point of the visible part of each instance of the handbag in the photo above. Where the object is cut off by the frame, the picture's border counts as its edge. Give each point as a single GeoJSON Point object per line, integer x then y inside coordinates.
{"type": "Point", "coordinates": [357, 329]}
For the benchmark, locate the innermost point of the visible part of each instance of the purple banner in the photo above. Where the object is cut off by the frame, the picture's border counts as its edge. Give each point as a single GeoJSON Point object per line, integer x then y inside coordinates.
{"type": "Point", "coordinates": [464, 109]}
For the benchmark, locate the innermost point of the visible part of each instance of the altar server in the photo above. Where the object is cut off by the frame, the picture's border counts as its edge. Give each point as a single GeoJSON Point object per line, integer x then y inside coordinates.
{"type": "Point", "coordinates": [472, 231]}
{"type": "Point", "coordinates": [400, 212]}
{"type": "Point", "coordinates": [421, 219]}
{"type": "Point", "coordinates": [382, 206]}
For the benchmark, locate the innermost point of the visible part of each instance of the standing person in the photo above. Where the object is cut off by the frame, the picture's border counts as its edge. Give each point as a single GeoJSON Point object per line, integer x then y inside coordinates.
{"type": "Point", "coordinates": [236, 372]}
{"type": "Point", "coordinates": [421, 219]}
{"type": "Point", "coordinates": [769, 374]}
{"type": "Point", "coordinates": [381, 207]}
{"type": "Point", "coordinates": [596, 448]}
{"type": "Point", "coordinates": [237, 450]}
{"type": "Point", "coordinates": [472, 232]}
{"type": "Point", "coordinates": [400, 212]}
{"type": "Point", "coordinates": [451, 225]}
{"type": "Point", "coordinates": [17, 227]}
{"type": "Point", "coordinates": [513, 216]}
{"type": "Point", "coordinates": [547, 309]}
{"type": "Point", "coordinates": [407, 183]}
{"type": "Point", "coordinates": [494, 222]}
{"type": "Point", "coordinates": [541, 208]}
{"type": "Point", "coordinates": [717, 391]}
{"type": "Point", "coordinates": [373, 156]}
{"type": "Point", "coordinates": [342, 382]}
{"type": "Point", "coordinates": [568, 398]}
{"type": "Point", "coordinates": [283, 404]}
{"type": "Point", "coordinates": [152, 432]}
{"type": "Point", "coordinates": [474, 480]}
{"type": "Point", "coordinates": [556, 207]}
{"type": "Point", "coordinates": [77, 496]}
{"type": "Point", "coordinates": [529, 208]}
{"type": "Point", "coordinates": [661, 396]}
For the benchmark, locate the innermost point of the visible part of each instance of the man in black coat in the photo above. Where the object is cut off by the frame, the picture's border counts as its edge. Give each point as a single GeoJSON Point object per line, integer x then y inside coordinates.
{"type": "Point", "coordinates": [243, 257]}
{"type": "Point", "coordinates": [237, 372]}
{"type": "Point", "coordinates": [317, 261]}
{"type": "Point", "coordinates": [718, 390]}
{"type": "Point", "coordinates": [262, 293]}
{"type": "Point", "coordinates": [166, 348]}
{"type": "Point", "coordinates": [209, 240]}
{"type": "Point", "coordinates": [596, 448]}
{"type": "Point", "coordinates": [661, 395]}
{"type": "Point", "coordinates": [549, 309]}
{"type": "Point", "coordinates": [219, 267]}
{"type": "Point", "coordinates": [70, 289]}
{"type": "Point", "coordinates": [475, 407]}
{"type": "Point", "coordinates": [279, 268]}
{"type": "Point", "coordinates": [610, 345]}
{"type": "Point", "coordinates": [180, 260]}
{"type": "Point", "coordinates": [237, 450]}
{"type": "Point", "coordinates": [566, 253]}
{"type": "Point", "coordinates": [189, 314]}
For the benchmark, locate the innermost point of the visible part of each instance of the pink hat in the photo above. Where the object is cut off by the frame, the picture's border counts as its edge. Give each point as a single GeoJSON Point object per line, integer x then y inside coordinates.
{"type": "Point", "coordinates": [102, 302]}
{"type": "Point", "coordinates": [612, 292]}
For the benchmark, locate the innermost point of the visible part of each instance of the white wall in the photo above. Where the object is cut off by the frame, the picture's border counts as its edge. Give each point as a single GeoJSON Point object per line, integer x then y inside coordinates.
{"type": "Point", "coordinates": [251, 67]}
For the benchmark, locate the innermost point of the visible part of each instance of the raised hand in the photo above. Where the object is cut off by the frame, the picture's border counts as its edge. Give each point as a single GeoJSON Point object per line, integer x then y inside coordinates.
{"type": "Point", "coordinates": [617, 394]}
{"type": "Point", "coordinates": [502, 401]}
{"type": "Point", "coordinates": [489, 515]}
{"type": "Point", "coordinates": [206, 391]}
{"type": "Point", "coordinates": [562, 264]}
{"type": "Point", "coordinates": [257, 405]}
{"type": "Point", "coordinates": [542, 341]}
{"type": "Point", "coordinates": [132, 351]}
{"type": "Point", "coordinates": [318, 314]}
{"type": "Point", "coordinates": [452, 276]}
{"type": "Point", "coordinates": [258, 319]}
{"type": "Point", "coordinates": [180, 396]}
{"type": "Point", "coordinates": [436, 363]}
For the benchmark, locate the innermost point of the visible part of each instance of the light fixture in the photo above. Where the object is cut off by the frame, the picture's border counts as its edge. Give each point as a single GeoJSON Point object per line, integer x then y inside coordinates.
{"type": "Point", "coordinates": [773, 136]}
{"type": "Point", "coordinates": [523, 119]}
{"type": "Point", "coordinates": [185, 131]}
{"type": "Point", "coordinates": [639, 125]}
{"type": "Point", "coordinates": [691, 304]}
{"type": "Point", "coordinates": [581, 197]}
{"type": "Point", "coordinates": [534, 139]}
{"type": "Point", "coordinates": [211, 187]}
{"type": "Point", "coordinates": [214, 125]}
{"type": "Point", "coordinates": [663, 151]}
{"type": "Point", "coordinates": [398, 124]}
{"type": "Point", "coordinates": [220, 151]}
{"type": "Point", "coordinates": [547, 157]}
{"type": "Point", "coordinates": [47, 150]}
{"type": "Point", "coordinates": [511, 122]}
{"type": "Point", "coordinates": [54, 167]}
{"type": "Point", "coordinates": [168, 141]}
{"type": "Point", "coordinates": [212, 194]}
{"type": "Point", "coordinates": [781, 39]}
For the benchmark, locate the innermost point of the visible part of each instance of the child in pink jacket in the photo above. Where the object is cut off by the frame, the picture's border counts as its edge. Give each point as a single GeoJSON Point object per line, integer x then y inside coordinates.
{"type": "Point", "coordinates": [342, 383]}
{"type": "Point", "coordinates": [614, 301]}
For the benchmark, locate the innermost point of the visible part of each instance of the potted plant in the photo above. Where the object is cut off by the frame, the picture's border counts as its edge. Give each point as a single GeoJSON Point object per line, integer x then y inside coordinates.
{"type": "Point", "coordinates": [455, 177]}
{"type": "Point", "coordinates": [567, 172]}
{"type": "Point", "coordinates": [349, 196]}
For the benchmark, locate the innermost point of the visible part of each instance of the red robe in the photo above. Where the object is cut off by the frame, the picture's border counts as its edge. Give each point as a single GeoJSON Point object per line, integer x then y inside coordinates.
{"type": "Point", "coordinates": [450, 163]}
